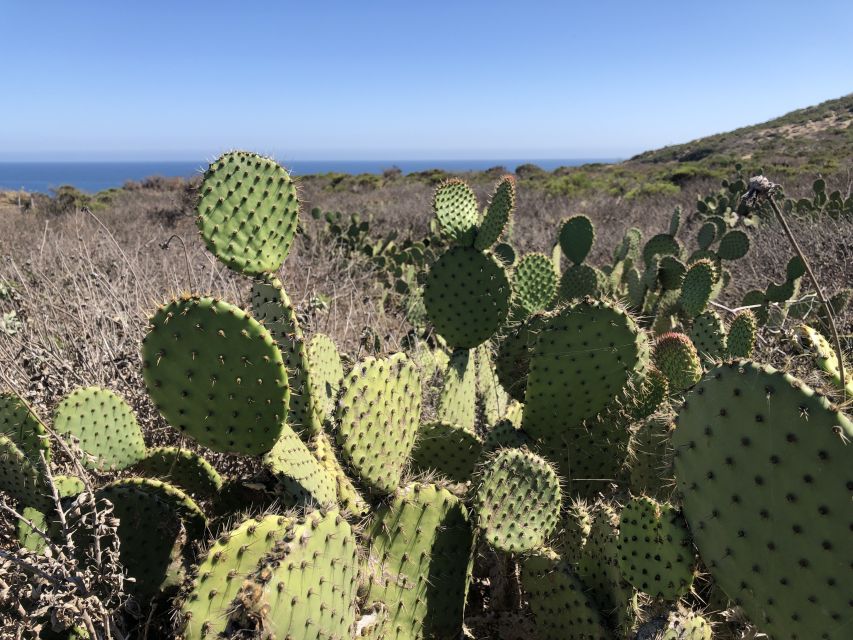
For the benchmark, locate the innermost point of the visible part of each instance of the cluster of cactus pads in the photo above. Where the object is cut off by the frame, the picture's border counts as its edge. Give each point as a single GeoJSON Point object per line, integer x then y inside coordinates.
{"type": "Point", "coordinates": [600, 429]}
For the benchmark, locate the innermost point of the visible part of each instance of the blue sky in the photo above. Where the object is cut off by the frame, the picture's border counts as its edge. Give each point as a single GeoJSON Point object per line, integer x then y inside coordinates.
{"type": "Point", "coordinates": [405, 80]}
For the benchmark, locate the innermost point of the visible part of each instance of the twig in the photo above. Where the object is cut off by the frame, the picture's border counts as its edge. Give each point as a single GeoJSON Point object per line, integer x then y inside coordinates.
{"type": "Point", "coordinates": [165, 246]}
{"type": "Point", "coordinates": [69, 540]}
{"type": "Point", "coordinates": [30, 568]}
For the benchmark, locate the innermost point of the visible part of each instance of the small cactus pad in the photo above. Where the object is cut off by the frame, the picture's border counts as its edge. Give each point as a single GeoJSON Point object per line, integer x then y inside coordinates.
{"type": "Point", "coordinates": [234, 556]}
{"type": "Point", "coordinates": [300, 476]}
{"type": "Point", "coordinates": [216, 374]}
{"type": "Point", "coordinates": [272, 307]}
{"type": "Point", "coordinates": [326, 373]}
{"type": "Point", "coordinates": [660, 245]}
{"type": "Point", "coordinates": [493, 399]}
{"type": "Point", "coordinates": [348, 496]}
{"type": "Point", "coordinates": [23, 426]}
{"type": "Point", "coordinates": [677, 358]}
{"type": "Point", "coordinates": [671, 273]}
{"type": "Point", "coordinates": [534, 282]}
{"type": "Point", "coordinates": [457, 211]}
{"type": "Point", "coordinates": [649, 394]}
{"type": "Point", "coordinates": [512, 363]}
{"type": "Point", "coordinates": [654, 550]}
{"type": "Point", "coordinates": [377, 419]}
{"type": "Point", "coordinates": [505, 434]}
{"type": "Point", "coordinates": [585, 341]}
{"type": "Point", "coordinates": [247, 212]}
{"type": "Point", "coordinates": [21, 478]}
{"type": "Point", "coordinates": [825, 356]}
{"type": "Point", "coordinates": [708, 335]}
{"type": "Point", "coordinates": [182, 468]}
{"type": "Point", "coordinates": [560, 606]}
{"type": "Point", "coordinates": [696, 287]}
{"type": "Point", "coordinates": [577, 235]}
{"type": "Point", "coordinates": [457, 401]}
{"type": "Point", "coordinates": [651, 460]}
{"type": "Point", "coordinates": [707, 235]}
{"type": "Point", "coordinates": [104, 425]}
{"type": "Point", "coordinates": [158, 522]}
{"type": "Point", "coordinates": [686, 625]}
{"type": "Point", "coordinates": [764, 467]}
{"type": "Point", "coordinates": [734, 245]}
{"type": "Point", "coordinates": [582, 280]}
{"type": "Point", "coordinates": [420, 554]}
{"type": "Point", "coordinates": [467, 296]}
{"type": "Point", "coordinates": [518, 501]}
{"type": "Point", "coordinates": [447, 448]}
{"type": "Point", "coordinates": [305, 588]}
{"type": "Point", "coordinates": [498, 214]}
{"type": "Point", "coordinates": [742, 334]}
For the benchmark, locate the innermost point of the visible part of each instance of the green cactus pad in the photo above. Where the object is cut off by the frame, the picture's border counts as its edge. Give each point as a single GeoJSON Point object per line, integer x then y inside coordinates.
{"type": "Point", "coordinates": [377, 419]}
{"type": "Point", "coordinates": [577, 235]}
{"type": "Point", "coordinates": [420, 547]}
{"type": "Point", "coordinates": [185, 469]}
{"type": "Point", "coordinates": [23, 427]}
{"type": "Point", "coordinates": [629, 247]}
{"type": "Point", "coordinates": [654, 551]}
{"type": "Point", "coordinates": [66, 487]}
{"type": "Point", "coordinates": [248, 212]}
{"type": "Point", "coordinates": [720, 223]}
{"type": "Point", "coordinates": [582, 280]}
{"type": "Point", "coordinates": [707, 235]}
{"type": "Point", "coordinates": [662, 244]}
{"type": "Point", "coordinates": [824, 355]}
{"type": "Point", "coordinates": [795, 269]}
{"type": "Point", "coordinates": [326, 373]}
{"type": "Point", "coordinates": [505, 434]}
{"type": "Point", "coordinates": [234, 556]}
{"type": "Point", "coordinates": [696, 287]}
{"type": "Point", "coordinates": [457, 401]}
{"type": "Point", "coordinates": [636, 289]}
{"type": "Point", "coordinates": [734, 245]}
{"type": "Point", "coordinates": [457, 211]}
{"type": "Point", "coordinates": [560, 606]}
{"type": "Point", "coordinates": [575, 527]}
{"type": "Point", "coordinates": [451, 450]}
{"type": "Point", "coordinates": [492, 397]}
{"type": "Point", "coordinates": [348, 496]}
{"type": "Point", "coordinates": [708, 335]}
{"type": "Point", "coordinates": [577, 343]}
{"type": "Point", "coordinates": [534, 282]}
{"type": "Point", "coordinates": [742, 334]}
{"type": "Point", "coordinates": [671, 273]}
{"type": "Point", "coordinates": [758, 301]}
{"type": "Point", "coordinates": [763, 464]}
{"type": "Point", "coordinates": [305, 588]}
{"type": "Point", "coordinates": [512, 363]}
{"type": "Point", "coordinates": [517, 501]}
{"type": "Point", "coordinates": [272, 307]}
{"type": "Point", "coordinates": [104, 425]}
{"type": "Point", "coordinates": [651, 457]}
{"type": "Point", "coordinates": [504, 253]}
{"type": "Point", "coordinates": [300, 476]}
{"type": "Point", "coordinates": [467, 296]}
{"type": "Point", "coordinates": [158, 523]}
{"type": "Point", "coordinates": [216, 374]}
{"type": "Point", "coordinates": [676, 357]}
{"type": "Point", "coordinates": [649, 395]}
{"type": "Point", "coordinates": [686, 625]}
{"type": "Point", "coordinates": [20, 478]}
{"type": "Point", "coordinates": [498, 214]}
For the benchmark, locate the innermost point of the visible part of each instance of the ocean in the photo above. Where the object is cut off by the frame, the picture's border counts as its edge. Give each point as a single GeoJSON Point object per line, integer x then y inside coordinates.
{"type": "Point", "coordinates": [42, 177]}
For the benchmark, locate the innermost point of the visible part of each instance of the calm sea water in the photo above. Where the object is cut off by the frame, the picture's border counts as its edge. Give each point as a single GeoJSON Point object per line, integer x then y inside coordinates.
{"type": "Point", "coordinates": [41, 177]}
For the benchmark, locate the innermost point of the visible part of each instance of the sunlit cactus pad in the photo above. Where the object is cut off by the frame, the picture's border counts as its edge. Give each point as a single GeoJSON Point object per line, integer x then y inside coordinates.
{"type": "Point", "coordinates": [457, 211]}
{"type": "Point", "coordinates": [498, 214]}
{"type": "Point", "coordinates": [534, 282]}
{"type": "Point", "coordinates": [104, 425]}
{"type": "Point", "coordinates": [517, 500]}
{"type": "Point", "coordinates": [760, 454]}
{"type": "Point", "coordinates": [20, 478]}
{"type": "Point", "coordinates": [377, 418]}
{"type": "Point", "coordinates": [23, 427]}
{"type": "Point", "coordinates": [467, 295]}
{"type": "Point", "coordinates": [247, 212]}
{"type": "Point", "coordinates": [216, 374]}
{"type": "Point", "coordinates": [419, 562]}
{"type": "Point", "coordinates": [301, 477]}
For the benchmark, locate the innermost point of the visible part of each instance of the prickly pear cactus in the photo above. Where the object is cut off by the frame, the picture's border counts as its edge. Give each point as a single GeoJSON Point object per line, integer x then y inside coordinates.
{"type": "Point", "coordinates": [21, 478]}
{"type": "Point", "coordinates": [742, 333]}
{"type": "Point", "coordinates": [651, 457]}
{"type": "Point", "coordinates": [450, 449]}
{"type": "Point", "coordinates": [247, 212]}
{"type": "Point", "coordinates": [493, 399]}
{"type": "Point", "coordinates": [23, 427]}
{"type": "Point", "coordinates": [349, 498]}
{"type": "Point", "coordinates": [560, 606]}
{"type": "Point", "coordinates": [734, 245]}
{"type": "Point", "coordinates": [677, 358]}
{"type": "Point", "coordinates": [420, 550]}
{"type": "Point", "coordinates": [660, 245]}
{"type": "Point", "coordinates": [760, 455]}
{"type": "Point", "coordinates": [305, 588]}
{"type": "Point", "coordinates": [575, 525]}
{"type": "Point", "coordinates": [654, 551]}
{"type": "Point", "coordinates": [581, 280]}
{"type": "Point", "coordinates": [708, 335]}
{"type": "Point", "coordinates": [326, 373]}
{"type": "Point", "coordinates": [209, 598]}
{"type": "Point", "coordinates": [300, 476]}
{"type": "Point", "coordinates": [104, 425]}
{"type": "Point", "coordinates": [534, 282]}
{"type": "Point", "coordinates": [696, 287]}
{"type": "Point", "coordinates": [182, 468]}
{"type": "Point", "coordinates": [825, 356]}
{"type": "Point", "coordinates": [216, 374]}
{"type": "Point", "coordinates": [457, 211]}
{"type": "Point", "coordinates": [512, 363]}
{"type": "Point", "coordinates": [498, 214]}
{"type": "Point", "coordinates": [649, 394]}
{"type": "Point", "coordinates": [517, 501]}
{"type": "Point", "coordinates": [158, 523]}
{"type": "Point", "coordinates": [66, 487]}
{"type": "Point", "coordinates": [467, 295]}
{"type": "Point", "coordinates": [457, 400]}
{"type": "Point", "coordinates": [505, 433]}
{"type": "Point", "coordinates": [686, 625]}
{"type": "Point", "coordinates": [377, 419]}
{"type": "Point", "coordinates": [577, 235]}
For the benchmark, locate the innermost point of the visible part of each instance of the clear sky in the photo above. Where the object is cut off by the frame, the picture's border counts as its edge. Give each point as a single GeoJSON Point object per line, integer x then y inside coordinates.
{"type": "Point", "coordinates": [405, 80]}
